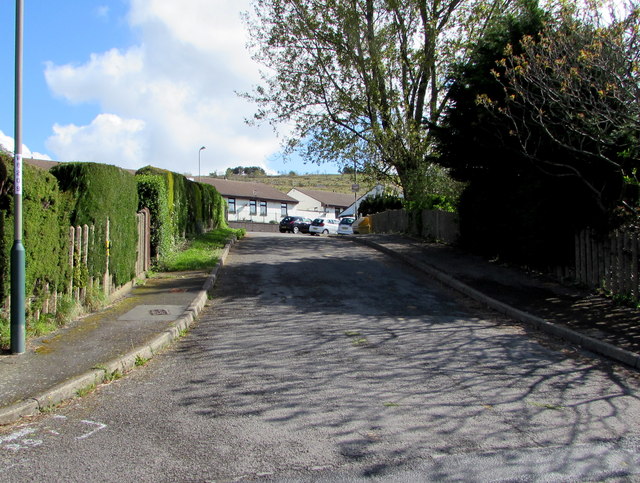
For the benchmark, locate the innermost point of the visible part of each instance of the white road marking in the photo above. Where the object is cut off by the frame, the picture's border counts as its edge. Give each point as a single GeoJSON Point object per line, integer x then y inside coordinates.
{"type": "Point", "coordinates": [16, 435]}
{"type": "Point", "coordinates": [100, 427]}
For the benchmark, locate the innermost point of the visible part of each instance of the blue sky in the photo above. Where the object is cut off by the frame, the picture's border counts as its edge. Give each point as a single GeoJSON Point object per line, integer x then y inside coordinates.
{"type": "Point", "coordinates": [137, 82]}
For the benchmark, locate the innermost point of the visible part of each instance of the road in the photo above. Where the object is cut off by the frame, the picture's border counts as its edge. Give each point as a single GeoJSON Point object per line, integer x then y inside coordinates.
{"type": "Point", "coordinates": [318, 359]}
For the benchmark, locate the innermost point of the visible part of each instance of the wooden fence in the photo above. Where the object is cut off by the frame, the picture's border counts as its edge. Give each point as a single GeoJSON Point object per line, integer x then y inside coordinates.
{"type": "Point", "coordinates": [81, 243]}
{"type": "Point", "coordinates": [611, 263]}
{"type": "Point", "coordinates": [429, 224]}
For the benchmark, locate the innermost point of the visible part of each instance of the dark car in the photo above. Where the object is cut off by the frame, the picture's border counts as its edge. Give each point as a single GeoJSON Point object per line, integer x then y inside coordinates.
{"type": "Point", "coordinates": [295, 224]}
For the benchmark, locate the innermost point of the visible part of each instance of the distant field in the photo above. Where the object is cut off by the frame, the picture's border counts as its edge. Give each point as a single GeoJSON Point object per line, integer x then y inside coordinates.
{"type": "Point", "coordinates": [339, 183]}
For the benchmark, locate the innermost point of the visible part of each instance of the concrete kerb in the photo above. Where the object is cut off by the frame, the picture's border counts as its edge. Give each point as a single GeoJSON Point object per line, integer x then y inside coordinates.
{"type": "Point", "coordinates": [18, 411]}
{"type": "Point", "coordinates": [629, 358]}
{"type": "Point", "coordinates": [103, 372]}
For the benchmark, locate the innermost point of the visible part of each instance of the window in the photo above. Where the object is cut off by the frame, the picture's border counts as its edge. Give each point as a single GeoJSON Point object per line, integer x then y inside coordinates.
{"type": "Point", "coordinates": [283, 209]}
{"type": "Point", "coordinates": [232, 205]}
{"type": "Point", "coordinates": [263, 208]}
{"type": "Point", "coordinates": [252, 207]}
{"type": "Point", "coordinates": [338, 211]}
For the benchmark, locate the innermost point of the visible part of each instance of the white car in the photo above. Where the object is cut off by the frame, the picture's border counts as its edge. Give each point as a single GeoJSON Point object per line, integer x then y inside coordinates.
{"type": "Point", "coordinates": [324, 226]}
{"type": "Point", "coordinates": [344, 227]}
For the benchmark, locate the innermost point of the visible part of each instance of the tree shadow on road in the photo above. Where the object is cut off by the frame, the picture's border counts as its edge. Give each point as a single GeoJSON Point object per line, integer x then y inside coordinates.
{"type": "Point", "coordinates": [355, 359]}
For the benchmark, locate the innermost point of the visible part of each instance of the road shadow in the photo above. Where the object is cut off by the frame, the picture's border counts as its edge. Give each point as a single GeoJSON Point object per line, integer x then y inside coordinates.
{"type": "Point", "coordinates": [341, 348]}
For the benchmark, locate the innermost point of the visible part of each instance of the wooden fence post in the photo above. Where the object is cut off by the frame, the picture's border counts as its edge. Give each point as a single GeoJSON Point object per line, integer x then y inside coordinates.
{"type": "Point", "coordinates": [107, 279]}
{"type": "Point", "coordinates": [72, 233]}
{"type": "Point", "coordinates": [634, 266]}
{"type": "Point", "coordinates": [78, 258]}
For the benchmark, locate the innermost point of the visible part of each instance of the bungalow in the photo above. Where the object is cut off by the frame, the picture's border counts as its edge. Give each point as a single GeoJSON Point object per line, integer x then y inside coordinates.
{"type": "Point", "coordinates": [250, 201]}
{"type": "Point", "coordinates": [318, 204]}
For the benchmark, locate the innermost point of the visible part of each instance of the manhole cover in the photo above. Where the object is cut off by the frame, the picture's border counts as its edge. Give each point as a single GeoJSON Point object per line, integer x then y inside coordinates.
{"type": "Point", "coordinates": [154, 313]}
{"type": "Point", "coordinates": [159, 312]}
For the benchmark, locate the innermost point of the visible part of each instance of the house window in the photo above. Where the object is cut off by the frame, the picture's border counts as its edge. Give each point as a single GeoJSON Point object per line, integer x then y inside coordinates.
{"type": "Point", "coordinates": [283, 209]}
{"type": "Point", "coordinates": [263, 208]}
{"type": "Point", "coordinates": [252, 207]}
{"type": "Point", "coordinates": [338, 211]}
{"type": "Point", "coordinates": [232, 205]}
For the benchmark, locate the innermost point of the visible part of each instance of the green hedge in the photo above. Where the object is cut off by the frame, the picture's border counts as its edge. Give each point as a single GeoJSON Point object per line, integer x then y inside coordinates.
{"type": "Point", "coordinates": [193, 207]}
{"type": "Point", "coordinates": [75, 194]}
{"type": "Point", "coordinates": [45, 231]}
{"type": "Point", "coordinates": [99, 192]}
{"type": "Point", "coordinates": [152, 192]}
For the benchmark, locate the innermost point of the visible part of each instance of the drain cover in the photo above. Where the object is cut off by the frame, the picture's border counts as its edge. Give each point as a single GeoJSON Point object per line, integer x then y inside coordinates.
{"type": "Point", "coordinates": [159, 312]}
{"type": "Point", "coordinates": [154, 313]}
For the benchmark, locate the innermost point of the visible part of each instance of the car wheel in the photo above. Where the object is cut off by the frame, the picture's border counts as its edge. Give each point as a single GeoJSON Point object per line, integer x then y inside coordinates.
{"type": "Point", "coordinates": [296, 229]}
{"type": "Point", "coordinates": [325, 232]}
{"type": "Point", "coordinates": [281, 230]}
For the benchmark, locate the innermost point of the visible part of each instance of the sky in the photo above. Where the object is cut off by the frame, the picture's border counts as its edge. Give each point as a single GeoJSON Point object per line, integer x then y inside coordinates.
{"type": "Point", "coordinates": [135, 83]}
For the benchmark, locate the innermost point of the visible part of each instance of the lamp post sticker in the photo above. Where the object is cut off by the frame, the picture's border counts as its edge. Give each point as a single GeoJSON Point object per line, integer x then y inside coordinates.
{"type": "Point", "coordinates": [17, 174]}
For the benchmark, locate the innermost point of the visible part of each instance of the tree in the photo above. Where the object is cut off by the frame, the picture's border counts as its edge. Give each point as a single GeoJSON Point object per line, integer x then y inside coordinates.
{"type": "Point", "coordinates": [572, 101]}
{"type": "Point", "coordinates": [508, 209]}
{"type": "Point", "coordinates": [362, 80]}
{"type": "Point", "coordinates": [251, 171]}
{"type": "Point", "coordinates": [528, 194]}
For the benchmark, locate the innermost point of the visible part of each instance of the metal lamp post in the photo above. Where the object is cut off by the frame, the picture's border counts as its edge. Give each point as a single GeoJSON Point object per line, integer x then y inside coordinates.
{"type": "Point", "coordinates": [18, 324]}
{"type": "Point", "coordinates": [199, 151]}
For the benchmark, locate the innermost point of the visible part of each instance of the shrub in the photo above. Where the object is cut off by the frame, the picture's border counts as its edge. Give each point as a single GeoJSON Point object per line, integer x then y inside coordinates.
{"type": "Point", "coordinates": [45, 236]}
{"type": "Point", "coordinates": [152, 193]}
{"type": "Point", "coordinates": [379, 203]}
{"type": "Point", "coordinates": [100, 192]}
{"type": "Point", "coordinates": [194, 207]}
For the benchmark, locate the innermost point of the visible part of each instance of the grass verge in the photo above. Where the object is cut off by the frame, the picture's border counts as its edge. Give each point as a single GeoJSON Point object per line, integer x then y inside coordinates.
{"type": "Point", "coordinates": [199, 253]}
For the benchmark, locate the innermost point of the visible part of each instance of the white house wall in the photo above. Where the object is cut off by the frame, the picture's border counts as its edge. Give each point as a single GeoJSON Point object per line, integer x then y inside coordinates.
{"type": "Point", "coordinates": [310, 207]}
{"type": "Point", "coordinates": [243, 211]}
{"type": "Point", "coordinates": [306, 203]}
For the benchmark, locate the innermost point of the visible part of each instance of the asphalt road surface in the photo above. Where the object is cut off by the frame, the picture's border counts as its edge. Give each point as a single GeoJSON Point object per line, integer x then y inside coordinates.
{"type": "Point", "coordinates": [318, 359]}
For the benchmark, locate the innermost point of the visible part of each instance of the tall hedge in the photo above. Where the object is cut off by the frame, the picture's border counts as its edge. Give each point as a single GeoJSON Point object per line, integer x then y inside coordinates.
{"type": "Point", "coordinates": [193, 206]}
{"type": "Point", "coordinates": [99, 192]}
{"type": "Point", "coordinates": [152, 193]}
{"type": "Point", "coordinates": [45, 233]}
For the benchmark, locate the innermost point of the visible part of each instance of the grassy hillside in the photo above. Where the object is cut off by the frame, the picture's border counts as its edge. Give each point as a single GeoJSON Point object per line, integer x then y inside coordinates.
{"type": "Point", "coordinates": [339, 183]}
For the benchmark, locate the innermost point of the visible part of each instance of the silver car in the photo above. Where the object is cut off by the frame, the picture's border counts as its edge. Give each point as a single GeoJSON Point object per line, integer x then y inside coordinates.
{"type": "Point", "coordinates": [345, 226]}
{"type": "Point", "coordinates": [324, 226]}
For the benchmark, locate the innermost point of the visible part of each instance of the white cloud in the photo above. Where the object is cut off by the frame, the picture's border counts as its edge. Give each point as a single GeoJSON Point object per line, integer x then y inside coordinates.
{"type": "Point", "coordinates": [168, 95]}
{"type": "Point", "coordinates": [8, 143]}
{"type": "Point", "coordinates": [120, 141]}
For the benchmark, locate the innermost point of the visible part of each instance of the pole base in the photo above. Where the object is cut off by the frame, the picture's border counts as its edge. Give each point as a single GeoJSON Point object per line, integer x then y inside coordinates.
{"type": "Point", "coordinates": [18, 316]}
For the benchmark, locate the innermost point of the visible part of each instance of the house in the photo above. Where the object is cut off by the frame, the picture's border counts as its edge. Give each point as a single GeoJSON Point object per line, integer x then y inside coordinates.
{"type": "Point", "coordinates": [251, 201]}
{"type": "Point", "coordinates": [353, 207]}
{"type": "Point", "coordinates": [319, 204]}
{"type": "Point", "coordinates": [41, 163]}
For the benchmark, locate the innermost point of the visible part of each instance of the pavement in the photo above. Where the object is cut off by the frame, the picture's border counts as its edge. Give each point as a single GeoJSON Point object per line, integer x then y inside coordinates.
{"type": "Point", "coordinates": [151, 316]}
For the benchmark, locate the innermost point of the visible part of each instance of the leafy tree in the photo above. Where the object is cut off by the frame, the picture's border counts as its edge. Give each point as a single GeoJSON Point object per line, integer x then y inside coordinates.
{"type": "Point", "coordinates": [572, 101]}
{"type": "Point", "coordinates": [251, 171]}
{"type": "Point", "coordinates": [533, 159]}
{"type": "Point", "coordinates": [379, 203]}
{"type": "Point", "coordinates": [362, 80]}
{"type": "Point", "coordinates": [508, 209]}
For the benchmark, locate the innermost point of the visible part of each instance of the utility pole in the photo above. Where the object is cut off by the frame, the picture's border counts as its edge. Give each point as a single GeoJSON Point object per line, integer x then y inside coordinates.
{"type": "Point", "coordinates": [355, 187]}
{"type": "Point", "coordinates": [18, 324]}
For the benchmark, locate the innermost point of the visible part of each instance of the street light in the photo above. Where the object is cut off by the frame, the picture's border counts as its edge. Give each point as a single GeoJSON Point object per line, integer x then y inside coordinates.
{"type": "Point", "coordinates": [199, 151]}
{"type": "Point", "coordinates": [18, 323]}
